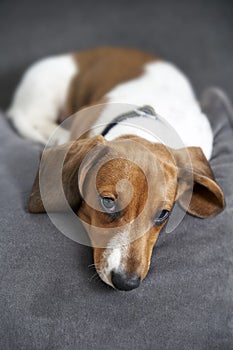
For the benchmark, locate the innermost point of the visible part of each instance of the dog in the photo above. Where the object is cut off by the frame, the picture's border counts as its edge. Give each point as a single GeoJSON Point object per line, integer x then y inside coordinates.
{"type": "Point", "coordinates": [57, 87]}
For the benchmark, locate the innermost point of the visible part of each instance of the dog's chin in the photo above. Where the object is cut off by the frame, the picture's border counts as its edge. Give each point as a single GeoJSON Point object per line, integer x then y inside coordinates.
{"type": "Point", "coordinates": [106, 279]}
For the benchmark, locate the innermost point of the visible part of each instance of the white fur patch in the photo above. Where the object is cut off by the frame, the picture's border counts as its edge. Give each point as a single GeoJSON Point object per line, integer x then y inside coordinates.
{"type": "Point", "coordinates": [40, 98]}
{"type": "Point", "coordinates": [169, 92]}
{"type": "Point", "coordinates": [42, 93]}
{"type": "Point", "coordinates": [114, 257]}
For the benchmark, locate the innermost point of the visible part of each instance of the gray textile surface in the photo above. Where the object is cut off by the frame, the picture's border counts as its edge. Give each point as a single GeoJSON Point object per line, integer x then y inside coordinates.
{"type": "Point", "coordinates": [48, 299]}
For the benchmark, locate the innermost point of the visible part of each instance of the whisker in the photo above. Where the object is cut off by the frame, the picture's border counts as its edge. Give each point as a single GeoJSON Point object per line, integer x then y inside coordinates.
{"type": "Point", "coordinates": [93, 266]}
{"type": "Point", "coordinates": [95, 277]}
{"type": "Point", "coordinates": [91, 278]}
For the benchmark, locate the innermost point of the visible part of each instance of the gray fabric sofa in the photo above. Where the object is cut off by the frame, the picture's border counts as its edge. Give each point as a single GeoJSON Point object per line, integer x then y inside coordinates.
{"type": "Point", "coordinates": [49, 298]}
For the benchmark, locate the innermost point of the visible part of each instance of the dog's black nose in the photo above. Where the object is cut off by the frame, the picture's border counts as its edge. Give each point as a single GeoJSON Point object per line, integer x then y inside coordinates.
{"type": "Point", "coordinates": [123, 281]}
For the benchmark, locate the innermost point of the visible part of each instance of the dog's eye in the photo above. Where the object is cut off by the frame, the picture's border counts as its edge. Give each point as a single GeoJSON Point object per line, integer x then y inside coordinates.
{"type": "Point", "coordinates": [108, 204]}
{"type": "Point", "coordinates": [161, 216]}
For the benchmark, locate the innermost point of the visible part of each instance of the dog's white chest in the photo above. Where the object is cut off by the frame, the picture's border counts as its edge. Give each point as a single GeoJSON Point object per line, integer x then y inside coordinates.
{"type": "Point", "coordinates": [168, 91]}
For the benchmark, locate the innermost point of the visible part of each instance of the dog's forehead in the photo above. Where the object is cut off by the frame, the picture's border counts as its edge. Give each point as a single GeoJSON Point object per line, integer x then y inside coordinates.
{"type": "Point", "coordinates": [131, 157]}
{"type": "Point", "coordinates": [145, 168]}
{"type": "Point", "coordinates": [139, 149]}
{"type": "Point", "coordinates": [122, 163]}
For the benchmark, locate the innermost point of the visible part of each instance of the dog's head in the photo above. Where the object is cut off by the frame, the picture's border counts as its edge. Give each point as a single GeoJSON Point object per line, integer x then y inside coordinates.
{"type": "Point", "coordinates": [124, 192]}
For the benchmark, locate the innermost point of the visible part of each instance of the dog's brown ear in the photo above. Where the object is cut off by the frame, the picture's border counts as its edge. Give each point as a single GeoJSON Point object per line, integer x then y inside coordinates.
{"type": "Point", "coordinates": [196, 181]}
{"type": "Point", "coordinates": [57, 176]}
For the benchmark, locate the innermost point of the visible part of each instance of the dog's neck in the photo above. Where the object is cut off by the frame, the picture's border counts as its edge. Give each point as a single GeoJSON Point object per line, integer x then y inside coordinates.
{"type": "Point", "coordinates": [132, 122]}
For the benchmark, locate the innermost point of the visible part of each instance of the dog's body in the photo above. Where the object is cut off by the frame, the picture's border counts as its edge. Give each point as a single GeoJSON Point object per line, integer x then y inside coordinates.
{"type": "Point", "coordinates": [58, 87]}
{"type": "Point", "coordinates": [63, 85]}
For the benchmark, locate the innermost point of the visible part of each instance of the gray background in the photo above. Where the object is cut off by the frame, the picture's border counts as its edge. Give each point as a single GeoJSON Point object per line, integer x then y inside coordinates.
{"type": "Point", "coordinates": [196, 35]}
{"type": "Point", "coordinates": [48, 298]}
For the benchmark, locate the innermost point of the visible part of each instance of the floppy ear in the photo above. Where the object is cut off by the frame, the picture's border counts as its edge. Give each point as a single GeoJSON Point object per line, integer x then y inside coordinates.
{"type": "Point", "coordinates": [207, 198]}
{"type": "Point", "coordinates": [58, 172]}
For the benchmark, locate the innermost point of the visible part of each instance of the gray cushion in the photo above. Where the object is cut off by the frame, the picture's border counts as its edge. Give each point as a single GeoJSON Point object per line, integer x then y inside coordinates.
{"type": "Point", "coordinates": [49, 298]}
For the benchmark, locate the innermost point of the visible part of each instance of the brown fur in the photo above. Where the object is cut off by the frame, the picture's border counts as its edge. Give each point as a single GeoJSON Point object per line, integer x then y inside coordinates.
{"type": "Point", "coordinates": [109, 175]}
{"type": "Point", "coordinates": [100, 70]}
{"type": "Point", "coordinates": [165, 177]}
{"type": "Point", "coordinates": [163, 169]}
{"type": "Point", "coordinates": [207, 197]}
{"type": "Point", "coordinates": [85, 119]}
